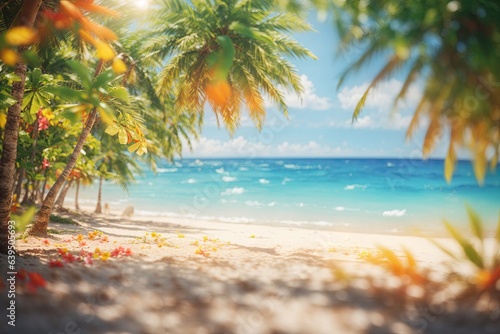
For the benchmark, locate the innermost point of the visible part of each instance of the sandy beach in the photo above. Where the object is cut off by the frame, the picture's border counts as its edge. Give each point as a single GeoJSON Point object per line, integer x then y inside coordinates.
{"type": "Point", "coordinates": [159, 276]}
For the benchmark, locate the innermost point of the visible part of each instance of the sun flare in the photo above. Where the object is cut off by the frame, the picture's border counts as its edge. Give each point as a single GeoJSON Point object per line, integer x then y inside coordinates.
{"type": "Point", "coordinates": [142, 3]}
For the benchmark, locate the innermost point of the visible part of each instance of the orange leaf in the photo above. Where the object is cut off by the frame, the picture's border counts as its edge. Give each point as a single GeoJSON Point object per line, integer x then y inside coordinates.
{"type": "Point", "coordinates": [86, 36]}
{"type": "Point", "coordinates": [20, 36]}
{"type": "Point", "coordinates": [99, 30]}
{"type": "Point", "coordinates": [71, 10]}
{"type": "Point", "coordinates": [90, 7]}
{"type": "Point", "coordinates": [219, 92]}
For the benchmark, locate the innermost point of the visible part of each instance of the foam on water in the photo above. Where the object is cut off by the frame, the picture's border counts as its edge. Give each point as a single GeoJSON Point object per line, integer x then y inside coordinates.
{"type": "Point", "coordinates": [370, 194]}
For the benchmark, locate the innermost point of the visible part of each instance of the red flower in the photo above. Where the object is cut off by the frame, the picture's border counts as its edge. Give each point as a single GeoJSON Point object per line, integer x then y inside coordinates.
{"type": "Point", "coordinates": [36, 281]}
{"type": "Point", "coordinates": [46, 242]}
{"type": "Point", "coordinates": [56, 264]}
{"type": "Point", "coordinates": [62, 251]}
{"type": "Point", "coordinates": [128, 252]}
{"type": "Point", "coordinates": [43, 123]}
{"type": "Point", "coordinates": [21, 274]}
{"type": "Point", "coordinates": [45, 163]}
{"type": "Point", "coordinates": [69, 258]}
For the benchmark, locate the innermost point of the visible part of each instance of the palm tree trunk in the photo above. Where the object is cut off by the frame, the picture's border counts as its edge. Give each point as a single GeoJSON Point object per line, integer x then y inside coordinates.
{"type": "Point", "coordinates": [25, 17]}
{"type": "Point", "coordinates": [44, 185]}
{"type": "Point", "coordinates": [62, 195]}
{"type": "Point", "coordinates": [42, 222]}
{"type": "Point", "coordinates": [77, 207]}
{"type": "Point", "coordinates": [19, 184]}
{"type": "Point", "coordinates": [98, 208]}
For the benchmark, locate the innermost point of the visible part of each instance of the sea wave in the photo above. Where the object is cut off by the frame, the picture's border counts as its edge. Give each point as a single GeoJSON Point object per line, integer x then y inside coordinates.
{"type": "Point", "coordinates": [291, 166]}
{"type": "Point", "coordinates": [190, 181]}
{"type": "Point", "coordinates": [252, 203]}
{"type": "Point", "coordinates": [228, 178]}
{"type": "Point", "coordinates": [355, 186]}
{"type": "Point", "coordinates": [263, 181]}
{"type": "Point", "coordinates": [233, 191]}
{"type": "Point", "coordinates": [167, 170]}
{"type": "Point", "coordinates": [221, 171]}
{"type": "Point", "coordinates": [243, 169]}
{"type": "Point", "coordinates": [285, 180]}
{"type": "Point", "coordinates": [394, 213]}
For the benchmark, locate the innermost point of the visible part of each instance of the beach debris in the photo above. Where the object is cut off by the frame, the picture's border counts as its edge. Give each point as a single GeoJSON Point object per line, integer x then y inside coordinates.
{"type": "Point", "coordinates": [154, 238]}
{"type": "Point", "coordinates": [208, 245]}
{"type": "Point", "coordinates": [128, 212]}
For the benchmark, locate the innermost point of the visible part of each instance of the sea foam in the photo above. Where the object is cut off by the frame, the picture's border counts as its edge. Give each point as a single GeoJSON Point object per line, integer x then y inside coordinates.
{"type": "Point", "coordinates": [394, 213]}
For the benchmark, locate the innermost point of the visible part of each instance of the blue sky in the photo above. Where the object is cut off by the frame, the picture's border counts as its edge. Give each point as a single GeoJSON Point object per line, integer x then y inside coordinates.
{"type": "Point", "coordinates": [320, 125]}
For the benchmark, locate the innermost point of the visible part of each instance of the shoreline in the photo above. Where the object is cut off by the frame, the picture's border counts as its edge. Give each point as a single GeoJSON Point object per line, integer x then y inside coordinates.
{"type": "Point", "coordinates": [354, 226]}
{"type": "Point", "coordinates": [438, 232]}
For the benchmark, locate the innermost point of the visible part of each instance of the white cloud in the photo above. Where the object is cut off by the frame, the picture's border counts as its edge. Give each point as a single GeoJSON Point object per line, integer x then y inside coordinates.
{"type": "Point", "coordinates": [241, 147]}
{"type": "Point", "coordinates": [377, 110]}
{"type": "Point", "coordinates": [381, 97]}
{"type": "Point", "coordinates": [312, 148]}
{"type": "Point", "coordinates": [238, 146]}
{"type": "Point", "coordinates": [307, 100]}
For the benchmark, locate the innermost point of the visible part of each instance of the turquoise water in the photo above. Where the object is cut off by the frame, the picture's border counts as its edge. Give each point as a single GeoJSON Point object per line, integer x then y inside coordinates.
{"type": "Point", "coordinates": [369, 195]}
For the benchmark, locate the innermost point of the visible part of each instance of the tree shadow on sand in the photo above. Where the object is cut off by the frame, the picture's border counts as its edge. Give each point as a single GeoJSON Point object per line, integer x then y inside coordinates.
{"type": "Point", "coordinates": [131, 295]}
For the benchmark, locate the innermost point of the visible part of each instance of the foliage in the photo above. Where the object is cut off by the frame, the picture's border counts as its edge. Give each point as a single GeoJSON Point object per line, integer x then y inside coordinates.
{"type": "Point", "coordinates": [62, 220]}
{"type": "Point", "coordinates": [227, 53]}
{"type": "Point", "coordinates": [449, 46]}
{"type": "Point", "coordinates": [23, 220]}
{"type": "Point", "coordinates": [487, 276]}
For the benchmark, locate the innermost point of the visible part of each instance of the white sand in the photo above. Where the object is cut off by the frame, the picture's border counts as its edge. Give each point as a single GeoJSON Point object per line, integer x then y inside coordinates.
{"type": "Point", "coordinates": [257, 279]}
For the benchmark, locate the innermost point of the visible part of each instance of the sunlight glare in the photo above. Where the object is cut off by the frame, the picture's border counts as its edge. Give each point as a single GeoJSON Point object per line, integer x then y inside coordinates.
{"type": "Point", "coordinates": [142, 3]}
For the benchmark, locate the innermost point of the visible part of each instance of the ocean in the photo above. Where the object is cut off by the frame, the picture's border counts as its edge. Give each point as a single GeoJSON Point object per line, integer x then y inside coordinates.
{"type": "Point", "coordinates": [397, 196]}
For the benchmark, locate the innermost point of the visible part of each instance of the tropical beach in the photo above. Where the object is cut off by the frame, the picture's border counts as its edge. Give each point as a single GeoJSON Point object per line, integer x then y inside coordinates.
{"type": "Point", "coordinates": [195, 277]}
{"type": "Point", "coordinates": [249, 166]}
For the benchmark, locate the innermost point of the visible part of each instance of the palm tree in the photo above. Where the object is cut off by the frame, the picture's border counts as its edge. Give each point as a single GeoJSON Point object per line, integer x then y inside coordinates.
{"type": "Point", "coordinates": [449, 45]}
{"type": "Point", "coordinates": [26, 13]}
{"type": "Point", "coordinates": [116, 165]}
{"type": "Point", "coordinates": [22, 13]}
{"type": "Point", "coordinates": [229, 53]}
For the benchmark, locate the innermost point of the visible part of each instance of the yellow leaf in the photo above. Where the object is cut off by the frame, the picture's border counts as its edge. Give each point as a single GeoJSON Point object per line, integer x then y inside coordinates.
{"type": "Point", "coordinates": [480, 165]}
{"type": "Point", "coordinates": [18, 36]}
{"type": "Point", "coordinates": [106, 117]}
{"type": "Point", "coordinates": [134, 147]}
{"type": "Point", "coordinates": [104, 51]}
{"type": "Point", "coordinates": [433, 131]}
{"type": "Point", "coordinates": [8, 56]}
{"type": "Point", "coordinates": [449, 164]}
{"type": "Point", "coordinates": [86, 36]}
{"type": "Point", "coordinates": [3, 120]}
{"type": "Point", "coordinates": [112, 129]}
{"type": "Point", "coordinates": [118, 66]}
{"type": "Point", "coordinates": [122, 136]}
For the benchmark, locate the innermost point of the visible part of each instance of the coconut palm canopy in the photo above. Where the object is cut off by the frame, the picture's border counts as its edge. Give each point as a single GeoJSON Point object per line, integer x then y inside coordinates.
{"type": "Point", "coordinates": [451, 46]}
{"type": "Point", "coordinates": [227, 53]}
